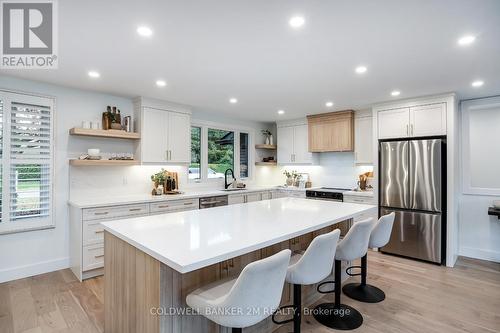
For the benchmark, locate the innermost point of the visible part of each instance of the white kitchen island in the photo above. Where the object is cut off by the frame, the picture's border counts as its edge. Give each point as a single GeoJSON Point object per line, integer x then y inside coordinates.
{"type": "Point", "coordinates": [153, 262]}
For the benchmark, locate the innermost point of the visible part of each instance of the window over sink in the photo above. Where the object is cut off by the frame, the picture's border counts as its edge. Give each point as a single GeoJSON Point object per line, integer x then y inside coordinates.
{"type": "Point", "coordinates": [215, 149]}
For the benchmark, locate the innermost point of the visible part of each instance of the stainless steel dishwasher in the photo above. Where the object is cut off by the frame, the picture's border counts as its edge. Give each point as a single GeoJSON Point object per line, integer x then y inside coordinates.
{"type": "Point", "coordinates": [209, 202]}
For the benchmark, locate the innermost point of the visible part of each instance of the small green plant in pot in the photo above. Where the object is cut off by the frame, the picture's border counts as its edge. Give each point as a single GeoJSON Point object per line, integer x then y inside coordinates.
{"type": "Point", "coordinates": [158, 178]}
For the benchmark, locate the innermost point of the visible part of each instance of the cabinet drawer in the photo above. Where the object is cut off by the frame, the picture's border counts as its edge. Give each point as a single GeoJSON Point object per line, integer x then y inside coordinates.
{"type": "Point", "coordinates": [105, 213]}
{"type": "Point", "coordinates": [297, 194]}
{"type": "Point", "coordinates": [266, 195]}
{"type": "Point", "coordinates": [93, 233]}
{"type": "Point", "coordinates": [174, 205]}
{"type": "Point", "coordinates": [362, 200]}
{"type": "Point", "coordinates": [93, 257]}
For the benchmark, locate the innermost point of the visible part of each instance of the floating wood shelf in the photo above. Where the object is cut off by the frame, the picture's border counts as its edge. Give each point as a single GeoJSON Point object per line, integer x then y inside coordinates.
{"type": "Point", "coordinates": [263, 146]}
{"type": "Point", "coordinates": [102, 162]}
{"type": "Point", "coordinates": [274, 163]}
{"type": "Point", "coordinates": [117, 134]}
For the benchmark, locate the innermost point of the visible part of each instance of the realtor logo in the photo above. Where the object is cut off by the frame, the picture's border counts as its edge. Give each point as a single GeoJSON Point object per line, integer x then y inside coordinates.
{"type": "Point", "coordinates": [29, 34]}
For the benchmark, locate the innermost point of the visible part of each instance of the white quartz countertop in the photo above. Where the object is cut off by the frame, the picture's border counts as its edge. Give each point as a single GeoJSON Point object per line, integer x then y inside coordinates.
{"type": "Point", "coordinates": [186, 241]}
{"type": "Point", "coordinates": [112, 200]}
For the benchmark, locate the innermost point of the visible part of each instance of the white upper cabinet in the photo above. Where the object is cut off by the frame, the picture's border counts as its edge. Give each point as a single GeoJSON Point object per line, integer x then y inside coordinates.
{"type": "Point", "coordinates": [285, 144]}
{"type": "Point", "coordinates": [154, 142]}
{"type": "Point", "coordinates": [301, 145]}
{"type": "Point", "coordinates": [428, 120]}
{"type": "Point", "coordinates": [179, 137]}
{"type": "Point", "coordinates": [394, 123]}
{"type": "Point", "coordinates": [415, 121]}
{"type": "Point", "coordinates": [293, 144]}
{"type": "Point", "coordinates": [165, 132]}
{"type": "Point", "coordinates": [363, 139]}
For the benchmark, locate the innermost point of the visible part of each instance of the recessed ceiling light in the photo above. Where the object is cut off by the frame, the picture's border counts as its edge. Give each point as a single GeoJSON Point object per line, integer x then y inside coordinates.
{"type": "Point", "coordinates": [297, 21]}
{"type": "Point", "coordinates": [94, 74]}
{"type": "Point", "coordinates": [144, 31]}
{"type": "Point", "coordinates": [395, 93]}
{"type": "Point", "coordinates": [161, 83]}
{"type": "Point", "coordinates": [477, 83]}
{"type": "Point", "coordinates": [361, 69]}
{"type": "Point", "coordinates": [233, 100]}
{"type": "Point", "coordinates": [329, 104]}
{"type": "Point", "coordinates": [281, 111]}
{"type": "Point", "coordinates": [466, 40]}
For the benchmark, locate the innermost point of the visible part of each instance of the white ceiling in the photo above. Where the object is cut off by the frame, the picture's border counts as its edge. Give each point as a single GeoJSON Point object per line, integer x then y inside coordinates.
{"type": "Point", "coordinates": [209, 51]}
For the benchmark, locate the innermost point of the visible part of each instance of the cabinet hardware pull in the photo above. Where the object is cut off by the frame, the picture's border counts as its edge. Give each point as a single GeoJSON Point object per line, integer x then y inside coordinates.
{"type": "Point", "coordinates": [99, 256]}
{"type": "Point", "coordinates": [163, 206]}
{"type": "Point", "coordinates": [166, 155]}
{"type": "Point", "coordinates": [134, 209]}
{"type": "Point", "coordinates": [187, 203]}
{"type": "Point", "coordinates": [407, 132]}
{"type": "Point", "coordinates": [99, 231]}
{"type": "Point", "coordinates": [411, 129]}
{"type": "Point", "coordinates": [101, 213]}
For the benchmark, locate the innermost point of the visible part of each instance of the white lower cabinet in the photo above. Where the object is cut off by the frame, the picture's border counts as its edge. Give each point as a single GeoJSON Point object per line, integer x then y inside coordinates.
{"type": "Point", "coordinates": [361, 199]}
{"type": "Point", "coordinates": [87, 233]}
{"type": "Point", "coordinates": [236, 199]}
{"type": "Point", "coordinates": [248, 197]}
{"type": "Point", "coordinates": [284, 193]}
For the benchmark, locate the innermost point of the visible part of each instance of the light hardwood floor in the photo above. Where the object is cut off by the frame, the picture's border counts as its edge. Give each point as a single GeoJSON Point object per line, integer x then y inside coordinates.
{"type": "Point", "coordinates": [420, 298]}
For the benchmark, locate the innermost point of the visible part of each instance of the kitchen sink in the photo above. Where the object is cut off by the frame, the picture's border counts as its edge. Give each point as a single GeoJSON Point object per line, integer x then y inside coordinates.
{"type": "Point", "coordinates": [233, 189]}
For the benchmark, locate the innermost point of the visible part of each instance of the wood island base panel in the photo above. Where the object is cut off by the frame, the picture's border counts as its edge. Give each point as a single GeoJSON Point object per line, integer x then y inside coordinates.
{"type": "Point", "coordinates": [141, 294]}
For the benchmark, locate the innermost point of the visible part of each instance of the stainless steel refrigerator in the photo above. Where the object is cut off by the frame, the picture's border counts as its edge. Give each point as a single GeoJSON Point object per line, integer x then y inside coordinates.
{"type": "Point", "coordinates": [412, 177]}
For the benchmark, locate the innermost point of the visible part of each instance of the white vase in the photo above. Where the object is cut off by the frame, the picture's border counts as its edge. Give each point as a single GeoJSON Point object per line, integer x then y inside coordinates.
{"type": "Point", "coordinates": [267, 140]}
{"type": "Point", "coordinates": [271, 139]}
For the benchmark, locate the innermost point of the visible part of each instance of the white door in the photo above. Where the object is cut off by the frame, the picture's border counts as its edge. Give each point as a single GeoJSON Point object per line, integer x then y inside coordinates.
{"type": "Point", "coordinates": [154, 135]}
{"type": "Point", "coordinates": [394, 123]}
{"type": "Point", "coordinates": [285, 144]}
{"type": "Point", "coordinates": [428, 120]}
{"type": "Point", "coordinates": [179, 137]}
{"type": "Point", "coordinates": [251, 197]}
{"type": "Point", "coordinates": [363, 140]}
{"type": "Point", "coordinates": [301, 146]}
{"type": "Point", "coordinates": [235, 199]}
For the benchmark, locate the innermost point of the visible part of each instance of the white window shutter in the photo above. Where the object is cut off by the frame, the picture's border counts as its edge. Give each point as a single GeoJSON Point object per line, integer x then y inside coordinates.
{"type": "Point", "coordinates": [28, 160]}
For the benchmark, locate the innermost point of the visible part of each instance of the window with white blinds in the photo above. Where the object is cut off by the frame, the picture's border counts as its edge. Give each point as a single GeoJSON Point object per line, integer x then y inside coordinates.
{"type": "Point", "coordinates": [27, 162]}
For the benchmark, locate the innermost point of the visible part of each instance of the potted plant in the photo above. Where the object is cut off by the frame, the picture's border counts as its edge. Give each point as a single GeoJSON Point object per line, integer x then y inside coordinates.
{"type": "Point", "coordinates": [158, 178]}
{"type": "Point", "coordinates": [291, 177]}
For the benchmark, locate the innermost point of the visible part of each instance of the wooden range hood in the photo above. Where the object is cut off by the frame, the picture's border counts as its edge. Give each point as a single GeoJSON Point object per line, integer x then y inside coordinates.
{"type": "Point", "coordinates": [331, 132]}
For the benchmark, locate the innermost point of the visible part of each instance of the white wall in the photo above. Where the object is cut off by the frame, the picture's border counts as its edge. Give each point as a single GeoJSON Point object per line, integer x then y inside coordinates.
{"type": "Point", "coordinates": [479, 232]}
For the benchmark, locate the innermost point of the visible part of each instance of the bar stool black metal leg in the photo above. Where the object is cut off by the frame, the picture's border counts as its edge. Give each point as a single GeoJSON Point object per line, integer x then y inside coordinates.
{"type": "Point", "coordinates": [364, 292]}
{"type": "Point", "coordinates": [297, 303]}
{"type": "Point", "coordinates": [237, 330]}
{"type": "Point", "coordinates": [337, 315]}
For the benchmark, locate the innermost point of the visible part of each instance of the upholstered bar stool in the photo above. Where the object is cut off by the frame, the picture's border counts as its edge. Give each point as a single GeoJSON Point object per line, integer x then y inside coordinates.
{"type": "Point", "coordinates": [309, 268]}
{"type": "Point", "coordinates": [353, 246]}
{"type": "Point", "coordinates": [380, 236]}
{"type": "Point", "coordinates": [247, 300]}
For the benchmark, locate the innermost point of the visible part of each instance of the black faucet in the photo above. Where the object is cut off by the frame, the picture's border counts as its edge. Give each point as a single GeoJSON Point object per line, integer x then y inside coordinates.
{"type": "Point", "coordinates": [226, 185]}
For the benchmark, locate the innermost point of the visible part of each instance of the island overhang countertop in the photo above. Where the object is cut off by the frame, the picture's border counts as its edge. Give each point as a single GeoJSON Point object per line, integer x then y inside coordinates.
{"type": "Point", "coordinates": [187, 241]}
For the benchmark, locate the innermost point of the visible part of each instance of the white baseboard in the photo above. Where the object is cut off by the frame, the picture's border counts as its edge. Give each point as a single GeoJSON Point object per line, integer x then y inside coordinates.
{"type": "Point", "coordinates": [476, 253]}
{"type": "Point", "coordinates": [20, 272]}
